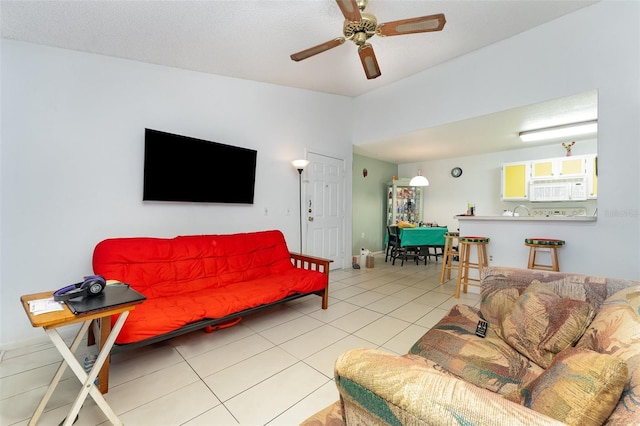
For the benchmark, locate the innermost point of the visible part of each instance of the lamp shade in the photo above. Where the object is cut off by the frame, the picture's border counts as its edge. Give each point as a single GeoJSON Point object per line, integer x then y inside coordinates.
{"type": "Point", "coordinates": [419, 180]}
{"type": "Point", "coordinates": [300, 164]}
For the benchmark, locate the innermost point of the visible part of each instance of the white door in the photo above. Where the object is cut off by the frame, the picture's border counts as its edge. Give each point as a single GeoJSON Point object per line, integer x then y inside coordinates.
{"type": "Point", "coordinates": [324, 208]}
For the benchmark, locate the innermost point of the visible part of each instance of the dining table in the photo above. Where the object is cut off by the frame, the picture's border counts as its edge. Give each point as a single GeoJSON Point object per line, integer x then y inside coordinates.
{"type": "Point", "coordinates": [422, 236]}
{"type": "Point", "coordinates": [423, 242]}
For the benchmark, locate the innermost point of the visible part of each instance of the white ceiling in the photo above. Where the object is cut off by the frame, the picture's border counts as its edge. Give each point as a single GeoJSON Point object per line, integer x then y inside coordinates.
{"type": "Point", "coordinates": [252, 39]}
{"type": "Point", "coordinates": [489, 133]}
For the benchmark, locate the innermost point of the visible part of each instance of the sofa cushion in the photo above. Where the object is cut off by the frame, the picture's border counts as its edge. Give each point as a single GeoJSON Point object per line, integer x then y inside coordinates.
{"type": "Point", "coordinates": [581, 387]}
{"type": "Point", "coordinates": [379, 388]}
{"type": "Point", "coordinates": [487, 362]}
{"type": "Point", "coordinates": [616, 331]}
{"type": "Point", "coordinates": [162, 315]}
{"type": "Point", "coordinates": [160, 267]}
{"type": "Point", "coordinates": [501, 287]}
{"type": "Point", "coordinates": [540, 323]}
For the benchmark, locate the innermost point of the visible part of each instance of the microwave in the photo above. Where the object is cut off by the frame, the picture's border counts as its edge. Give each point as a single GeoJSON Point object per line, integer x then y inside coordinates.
{"type": "Point", "coordinates": [573, 190]}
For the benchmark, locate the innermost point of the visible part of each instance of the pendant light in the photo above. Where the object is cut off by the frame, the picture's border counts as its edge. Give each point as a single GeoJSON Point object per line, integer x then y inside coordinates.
{"type": "Point", "coordinates": [419, 180]}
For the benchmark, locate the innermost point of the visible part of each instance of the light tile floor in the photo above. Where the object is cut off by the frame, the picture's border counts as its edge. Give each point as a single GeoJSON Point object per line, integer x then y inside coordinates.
{"type": "Point", "coordinates": [275, 367]}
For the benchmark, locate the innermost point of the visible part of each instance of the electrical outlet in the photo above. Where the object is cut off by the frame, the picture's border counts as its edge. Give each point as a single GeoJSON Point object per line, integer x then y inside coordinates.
{"type": "Point", "coordinates": [363, 235]}
{"type": "Point", "coordinates": [266, 211]}
{"type": "Point", "coordinates": [490, 258]}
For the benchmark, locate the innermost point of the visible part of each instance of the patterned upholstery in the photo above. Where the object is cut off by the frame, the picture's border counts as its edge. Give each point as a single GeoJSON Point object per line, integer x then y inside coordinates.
{"type": "Point", "coordinates": [616, 331]}
{"type": "Point", "coordinates": [580, 388]}
{"type": "Point", "coordinates": [502, 286]}
{"type": "Point", "coordinates": [489, 363]}
{"type": "Point", "coordinates": [330, 416]}
{"type": "Point", "coordinates": [540, 323]}
{"type": "Point", "coordinates": [451, 377]}
{"type": "Point", "coordinates": [377, 388]}
{"type": "Point", "coordinates": [544, 242]}
{"type": "Point", "coordinates": [467, 239]}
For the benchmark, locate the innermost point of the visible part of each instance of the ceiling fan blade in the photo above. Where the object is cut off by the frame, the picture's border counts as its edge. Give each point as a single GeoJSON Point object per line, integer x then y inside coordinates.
{"type": "Point", "coordinates": [422, 24]}
{"type": "Point", "coordinates": [369, 61]}
{"type": "Point", "coordinates": [323, 47]}
{"type": "Point", "coordinates": [349, 9]}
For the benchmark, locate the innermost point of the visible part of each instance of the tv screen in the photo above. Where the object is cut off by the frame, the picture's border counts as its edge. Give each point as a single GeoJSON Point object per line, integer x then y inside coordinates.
{"type": "Point", "coordinates": [180, 168]}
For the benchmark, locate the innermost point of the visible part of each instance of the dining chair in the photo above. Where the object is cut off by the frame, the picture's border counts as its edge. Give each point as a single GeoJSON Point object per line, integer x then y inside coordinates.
{"type": "Point", "coordinates": [391, 242]}
{"type": "Point", "coordinates": [394, 249]}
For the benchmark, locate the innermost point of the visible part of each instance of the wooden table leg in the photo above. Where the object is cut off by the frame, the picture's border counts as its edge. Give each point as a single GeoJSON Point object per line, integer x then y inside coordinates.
{"type": "Point", "coordinates": [103, 376]}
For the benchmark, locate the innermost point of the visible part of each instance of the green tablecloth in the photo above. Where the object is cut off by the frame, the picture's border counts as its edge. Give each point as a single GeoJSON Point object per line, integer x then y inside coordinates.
{"type": "Point", "coordinates": [423, 236]}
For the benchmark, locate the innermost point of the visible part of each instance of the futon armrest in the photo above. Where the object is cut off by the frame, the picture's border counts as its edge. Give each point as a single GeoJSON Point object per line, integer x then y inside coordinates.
{"type": "Point", "coordinates": [313, 263]}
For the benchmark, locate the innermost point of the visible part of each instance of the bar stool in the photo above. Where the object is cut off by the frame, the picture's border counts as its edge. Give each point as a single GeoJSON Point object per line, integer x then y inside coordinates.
{"type": "Point", "coordinates": [464, 264]}
{"type": "Point", "coordinates": [450, 251]}
{"type": "Point", "coordinates": [541, 244]}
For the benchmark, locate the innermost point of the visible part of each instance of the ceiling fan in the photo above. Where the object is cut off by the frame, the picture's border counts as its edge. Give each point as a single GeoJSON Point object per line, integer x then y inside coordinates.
{"type": "Point", "coordinates": [360, 26]}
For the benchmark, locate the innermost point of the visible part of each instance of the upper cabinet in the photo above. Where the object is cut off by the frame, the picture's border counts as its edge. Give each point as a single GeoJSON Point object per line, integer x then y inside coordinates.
{"type": "Point", "coordinates": [515, 181]}
{"type": "Point", "coordinates": [559, 167]}
{"type": "Point", "coordinates": [592, 177]}
{"type": "Point", "coordinates": [542, 169]}
{"type": "Point", "coordinates": [553, 179]}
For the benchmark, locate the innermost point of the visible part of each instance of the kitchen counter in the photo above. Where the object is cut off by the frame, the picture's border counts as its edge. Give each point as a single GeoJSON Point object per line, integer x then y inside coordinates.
{"type": "Point", "coordinates": [532, 218]}
{"type": "Point", "coordinates": [507, 235]}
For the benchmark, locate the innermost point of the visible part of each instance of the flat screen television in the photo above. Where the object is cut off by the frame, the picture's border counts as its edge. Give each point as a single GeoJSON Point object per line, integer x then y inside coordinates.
{"type": "Point", "coordinates": [180, 168]}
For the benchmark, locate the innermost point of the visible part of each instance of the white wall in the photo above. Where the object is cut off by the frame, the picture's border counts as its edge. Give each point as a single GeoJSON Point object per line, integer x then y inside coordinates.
{"type": "Point", "coordinates": [72, 160]}
{"type": "Point", "coordinates": [597, 47]}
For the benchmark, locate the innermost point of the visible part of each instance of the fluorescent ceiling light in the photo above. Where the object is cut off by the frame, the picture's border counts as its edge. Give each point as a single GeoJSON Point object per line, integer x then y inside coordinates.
{"type": "Point", "coordinates": [566, 130]}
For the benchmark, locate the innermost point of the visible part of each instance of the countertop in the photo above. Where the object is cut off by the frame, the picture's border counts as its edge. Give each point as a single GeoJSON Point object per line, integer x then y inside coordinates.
{"type": "Point", "coordinates": [531, 218]}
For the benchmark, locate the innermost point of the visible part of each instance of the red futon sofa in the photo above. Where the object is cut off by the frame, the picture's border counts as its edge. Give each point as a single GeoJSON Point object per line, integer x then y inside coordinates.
{"type": "Point", "coordinates": [199, 281]}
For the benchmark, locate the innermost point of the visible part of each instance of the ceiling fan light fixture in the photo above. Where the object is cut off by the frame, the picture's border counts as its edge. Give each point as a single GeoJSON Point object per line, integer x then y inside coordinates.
{"type": "Point", "coordinates": [562, 131]}
{"type": "Point", "coordinates": [360, 38]}
{"type": "Point", "coordinates": [419, 180]}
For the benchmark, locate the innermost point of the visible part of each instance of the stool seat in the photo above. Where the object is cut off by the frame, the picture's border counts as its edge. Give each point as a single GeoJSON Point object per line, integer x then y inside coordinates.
{"type": "Point", "coordinates": [466, 243]}
{"type": "Point", "coordinates": [544, 244]}
{"type": "Point", "coordinates": [467, 239]}
{"type": "Point", "coordinates": [449, 253]}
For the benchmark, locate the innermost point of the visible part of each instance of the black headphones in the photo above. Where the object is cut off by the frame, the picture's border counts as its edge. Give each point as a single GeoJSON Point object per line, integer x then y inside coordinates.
{"type": "Point", "coordinates": [91, 286]}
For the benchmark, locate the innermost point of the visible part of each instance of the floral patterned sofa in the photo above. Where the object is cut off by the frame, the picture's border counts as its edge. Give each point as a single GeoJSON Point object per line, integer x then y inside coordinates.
{"type": "Point", "coordinates": [560, 348]}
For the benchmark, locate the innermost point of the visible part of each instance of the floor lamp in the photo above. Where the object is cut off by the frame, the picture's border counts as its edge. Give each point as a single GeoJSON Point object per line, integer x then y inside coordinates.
{"type": "Point", "coordinates": [300, 165]}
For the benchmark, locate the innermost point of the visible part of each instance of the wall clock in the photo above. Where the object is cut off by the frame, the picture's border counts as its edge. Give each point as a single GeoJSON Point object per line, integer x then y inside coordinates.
{"type": "Point", "coordinates": [456, 172]}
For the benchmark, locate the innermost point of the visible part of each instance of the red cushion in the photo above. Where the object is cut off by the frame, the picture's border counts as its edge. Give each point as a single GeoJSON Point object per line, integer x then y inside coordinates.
{"type": "Point", "coordinates": [190, 278]}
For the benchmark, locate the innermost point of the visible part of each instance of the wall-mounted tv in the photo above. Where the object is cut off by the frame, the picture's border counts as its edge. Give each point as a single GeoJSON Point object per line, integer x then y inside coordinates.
{"type": "Point", "coordinates": [180, 168]}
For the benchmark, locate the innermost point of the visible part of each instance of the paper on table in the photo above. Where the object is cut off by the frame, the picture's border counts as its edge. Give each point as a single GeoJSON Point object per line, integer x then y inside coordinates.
{"type": "Point", "coordinates": [42, 306]}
